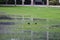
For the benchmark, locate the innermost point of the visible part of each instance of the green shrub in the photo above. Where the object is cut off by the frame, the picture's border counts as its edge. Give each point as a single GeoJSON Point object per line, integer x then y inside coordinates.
{"type": "Point", "coordinates": [54, 2]}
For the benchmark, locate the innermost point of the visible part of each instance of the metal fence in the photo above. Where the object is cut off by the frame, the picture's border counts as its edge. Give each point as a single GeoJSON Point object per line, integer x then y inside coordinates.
{"type": "Point", "coordinates": [28, 28]}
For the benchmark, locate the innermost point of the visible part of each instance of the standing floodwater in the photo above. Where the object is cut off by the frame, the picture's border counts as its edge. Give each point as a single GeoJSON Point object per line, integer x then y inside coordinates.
{"type": "Point", "coordinates": [17, 27]}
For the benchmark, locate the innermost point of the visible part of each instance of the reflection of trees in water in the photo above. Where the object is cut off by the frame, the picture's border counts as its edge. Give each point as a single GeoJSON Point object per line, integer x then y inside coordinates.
{"type": "Point", "coordinates": [5, 17]}
{"type": "Point", "coordinates": [57, 25]}
{"type": "Point", "coordinates": [7, 23]}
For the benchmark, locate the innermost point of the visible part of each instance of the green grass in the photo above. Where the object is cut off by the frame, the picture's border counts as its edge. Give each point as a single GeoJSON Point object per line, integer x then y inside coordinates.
{"type": "Point", "coordinates": [41, 12]}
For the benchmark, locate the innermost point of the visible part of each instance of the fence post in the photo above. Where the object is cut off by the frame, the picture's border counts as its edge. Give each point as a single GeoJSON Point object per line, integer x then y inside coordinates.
{"type": "Point", "coordinates": [47, 29]}
{"type": "Point", "coordinates": [23, 26]}
{"type": "Point", "coordinates": [31, 31]}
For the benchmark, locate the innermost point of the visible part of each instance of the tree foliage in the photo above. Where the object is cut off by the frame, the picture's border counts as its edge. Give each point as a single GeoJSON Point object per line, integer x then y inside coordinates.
{"type": "Point", "coordinates": [53, 2]}
{"type": "Point", "coordinates": [2, 0]}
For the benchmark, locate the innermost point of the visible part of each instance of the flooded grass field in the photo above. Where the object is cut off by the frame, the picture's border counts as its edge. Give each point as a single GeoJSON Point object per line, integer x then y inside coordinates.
{"type": "Point", "coordinates": [27, 28]}
{"type": "Point", "coordinates": [29, 23]}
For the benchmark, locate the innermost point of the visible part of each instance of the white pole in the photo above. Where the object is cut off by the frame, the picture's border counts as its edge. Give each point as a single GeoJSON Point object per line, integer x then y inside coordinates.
{"type": "Point", "coordinates": [15, 2]}
{"type": "Point", "coordinates": [47, 2]}
{"type": "Point", "coordinates": [32, 2]}
{"type": "Point", "coordinates": [23, 2]}
{"type": "Point", "coordinates": [59, 1]}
